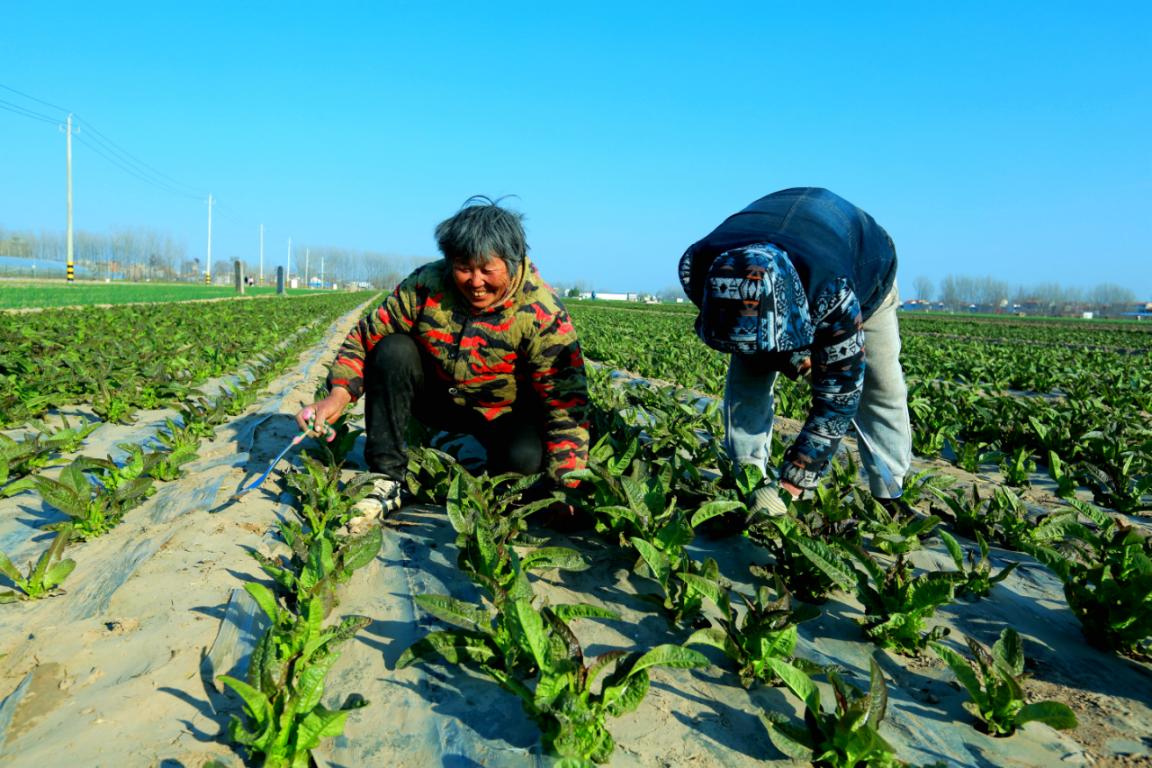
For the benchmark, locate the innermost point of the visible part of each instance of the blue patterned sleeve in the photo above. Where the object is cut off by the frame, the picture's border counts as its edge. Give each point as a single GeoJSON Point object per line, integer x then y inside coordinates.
{"type": "Point", "coordinates": [837, 383]}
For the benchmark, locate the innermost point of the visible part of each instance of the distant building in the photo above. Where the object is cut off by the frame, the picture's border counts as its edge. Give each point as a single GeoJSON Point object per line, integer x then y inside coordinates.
{"type": "Point", "coordinates": [605, 296]}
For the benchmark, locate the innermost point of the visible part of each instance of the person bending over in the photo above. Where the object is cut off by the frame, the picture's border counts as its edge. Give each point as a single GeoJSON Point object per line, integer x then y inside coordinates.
{"type": "Point", "coordinates": [802, 282]}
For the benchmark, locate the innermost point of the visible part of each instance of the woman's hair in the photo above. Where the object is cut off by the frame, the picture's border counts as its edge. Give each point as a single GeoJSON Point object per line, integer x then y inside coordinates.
{"type": "Point", "coordinates": [480, 230]}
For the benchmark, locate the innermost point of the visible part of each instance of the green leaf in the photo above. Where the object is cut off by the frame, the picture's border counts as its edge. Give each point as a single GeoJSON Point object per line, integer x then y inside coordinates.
{"type": "Point", "coordinates": [569, 611]}
{"type": "Point", "coordinates": [707, 587]}
{"type": "Point", "coordinates": [877, 696]}
{"type": "Point", "coordinates": [310, 682]}
{"type": "Point", "coordinates": [798, 682]}
{"type": "Point", "coordinates": [670, 655]}
{"type": "Point", "coordinates": [624, 696]}
{"type": "Point", "coordinates": [453, 647]}
{"type": "Point", "coordinates": [793, 741]}
{"type": "Point", "coordinates": [358, 551]}
{"type": "Point", "coordinates": [10, 570]}
{"type": "Point", "coordinates": [713, 509]}
{"type": "Point", "coordinates": [1008, 652]}
{"type": "Point", "coordinates": [57, 573]}
{"type": "Point", "coordinates": [319, 724]}
{"type": "Point", "coordinates": [62, 497]}
{"type": "Point", "coordinates": [827, 560]}
{"type": "Point", "coordinates": [634, 494]}
{"type": "Point", "coordinates": [657, 561]}
{"type": "Point", "coordinates": [1051, 713]}
{"type": "Point", "coordinates": [928, 592]}
{"type": "Point", "coordinates": [455, 612]}
{"type": "Point", "coordinates": [265, 599]}
{"type": "Point", "coordinates": [565, 558]}
{"type": "Point", "coordinates": [258, 705]}
{"type": "Point", "coordinates": [963, 671]}
{"type": "Point", "coordinates": [953, 547]}
{"type": "Point", "coordinates": [715, 638]}
{"type": "Point", "coordinates": [531, 625]}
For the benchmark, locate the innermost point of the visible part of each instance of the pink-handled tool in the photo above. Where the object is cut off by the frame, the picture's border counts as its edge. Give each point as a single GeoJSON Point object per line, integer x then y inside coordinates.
{"type": "Point", "coordinates": [327, 433]}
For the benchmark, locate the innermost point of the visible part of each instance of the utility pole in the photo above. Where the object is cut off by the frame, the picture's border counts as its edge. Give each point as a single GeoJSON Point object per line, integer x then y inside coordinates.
{"type": "Point", "coordinates": [208, 271]}
{"type": "Point", "coordinates": [261, 254]}
{"type": "Point", "coordinates": [307, 255]}
{"type": "Point", "coordinates": [71, 271]}
{"type": "Point", "coordinates": [288, 269]}
{"type": "Point", "coordinates": [321, 270]}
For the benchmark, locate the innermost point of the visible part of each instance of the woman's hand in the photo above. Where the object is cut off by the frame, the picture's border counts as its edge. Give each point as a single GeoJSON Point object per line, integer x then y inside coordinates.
{"type": "Point", "coordinates": [317, 416]}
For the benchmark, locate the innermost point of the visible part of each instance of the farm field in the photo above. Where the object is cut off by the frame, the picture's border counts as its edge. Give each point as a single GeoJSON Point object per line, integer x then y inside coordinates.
{"type": "Point", "coordinates": [1033, 439]}
{"type": "Point", "coordinates": [30, 294]}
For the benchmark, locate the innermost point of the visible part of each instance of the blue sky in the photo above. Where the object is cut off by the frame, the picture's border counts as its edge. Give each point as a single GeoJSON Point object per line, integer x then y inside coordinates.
{"type": "Point", "coordinates": [1002, 139]}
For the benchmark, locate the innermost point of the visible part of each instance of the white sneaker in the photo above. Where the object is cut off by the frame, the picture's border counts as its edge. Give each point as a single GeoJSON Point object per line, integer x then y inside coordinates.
{"type": "Point", "coordinates": [383, 498]}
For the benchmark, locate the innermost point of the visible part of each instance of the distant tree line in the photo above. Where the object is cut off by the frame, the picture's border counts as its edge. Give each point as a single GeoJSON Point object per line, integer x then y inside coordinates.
{"type": "Point", "coordinates": [958, 293]}
{"type": "Point", "coordinates": [143, 254]}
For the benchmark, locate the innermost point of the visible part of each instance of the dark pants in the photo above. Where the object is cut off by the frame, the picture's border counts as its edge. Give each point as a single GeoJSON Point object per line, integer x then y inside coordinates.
{"type": "Point", "coordinates": [400, 384]}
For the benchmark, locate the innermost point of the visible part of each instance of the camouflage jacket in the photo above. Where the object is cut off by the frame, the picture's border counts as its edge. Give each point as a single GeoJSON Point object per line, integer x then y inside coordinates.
{"type": "Point", "coordinates": [488, 357]}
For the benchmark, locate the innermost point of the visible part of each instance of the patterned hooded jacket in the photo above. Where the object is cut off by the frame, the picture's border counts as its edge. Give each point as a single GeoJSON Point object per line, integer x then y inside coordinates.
{"type": "Point", "coordinates": [487, 357]}
{"type": "Point", "coordinates": [842, 264]}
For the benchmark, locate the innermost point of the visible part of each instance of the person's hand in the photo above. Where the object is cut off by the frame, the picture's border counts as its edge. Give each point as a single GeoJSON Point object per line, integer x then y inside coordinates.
{"type": "Point", "coordinates": [317, 417]}
{"type": "Point", "coordinates": [793, 490]}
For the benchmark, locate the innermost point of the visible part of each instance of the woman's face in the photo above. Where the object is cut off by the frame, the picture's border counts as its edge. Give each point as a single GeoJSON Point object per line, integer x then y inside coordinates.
{"type": "Point", "coordinates": [482, 285]}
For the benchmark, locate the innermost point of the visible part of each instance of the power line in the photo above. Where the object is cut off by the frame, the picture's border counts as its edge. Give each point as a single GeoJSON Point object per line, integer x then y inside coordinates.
{"type": "Point", "coordinates": [130, 170]}
{"type": "Point", "coordinates": [102, 145]}
{"type": "Point", "coordinates": [33, 98]}
{"type": "Point", "coordinates": [9, 106]}
{"type": "Point", "coordinates": [130, 159]}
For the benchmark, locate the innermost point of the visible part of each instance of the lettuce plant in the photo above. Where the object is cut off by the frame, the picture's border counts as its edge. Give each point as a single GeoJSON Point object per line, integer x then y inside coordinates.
{"type": "Point", "coordinates": [992, 680]}
{"type": "Point", "coordinates": [1017, 467]}
{"type": "Point", "coordinates": [23, 457]}
{"type": "Point", "coordinates": [44, 578]}
{"type": "Point", "coordinates": [323, 565]}
{"type": "Point", "coordinates": [846, 737]}
{"type": "Point", "coordinates": [806, 565]}
{"type": "Point", "coordinates": [1066, 480]}
{"type": "Point", "coordinates": [283, 716]}
{"type": "Point", "coordinates": [1107, 580]}
{"type": "Point", "coordinates": [975, 580]}
{"type": "Point", "coordinates": [896, 603]}
{"type": "Point", "coordinates": [765, 629]}
{"type": "Point", "coordinates": [895, 534]}
{"type": "Point", "coordinates": [93, 509]}
{"type": "Point", "coordinates": [536, 656]}
{"type": "Point", "coordinates": [1118, 473]}
{"type": "Point", "coordinates": [972, 454]}
{"type": "Point", "coordinates": [336, 451]}
{"type": "Point", "coordinates": [429, 474]}
{"type": "Point", "coordinates": [179, 448]}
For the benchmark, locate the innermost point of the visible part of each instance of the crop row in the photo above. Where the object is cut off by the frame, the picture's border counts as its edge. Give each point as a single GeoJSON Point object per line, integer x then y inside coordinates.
{"type": "Point", "coordinates": [647, 494]}
{"type": "Point", "coordinates": [123, 358]}
{"type": "Point", "coordinates": [94, 493]}
{"type": "Point", "coordinates": [1082, 415]}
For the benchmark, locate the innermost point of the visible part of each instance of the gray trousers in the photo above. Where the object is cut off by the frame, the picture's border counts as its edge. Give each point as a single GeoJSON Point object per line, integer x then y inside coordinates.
{"type": "Point", "coordinates": [883, 414]}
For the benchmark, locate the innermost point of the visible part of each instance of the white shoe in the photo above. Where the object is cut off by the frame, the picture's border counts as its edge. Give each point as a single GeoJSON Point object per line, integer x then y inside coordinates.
{"type": "Point", "coordinates": [382, 499]}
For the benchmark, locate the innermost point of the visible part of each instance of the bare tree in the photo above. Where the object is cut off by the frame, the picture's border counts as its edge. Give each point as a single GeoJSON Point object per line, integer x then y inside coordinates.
{"type": "Point", "coordinates": [923, 287]}
{"type": "Point", "coordinates": [1111, 298]}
